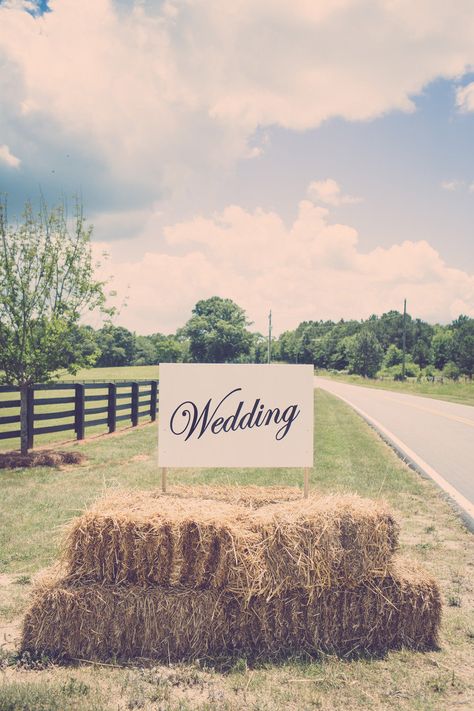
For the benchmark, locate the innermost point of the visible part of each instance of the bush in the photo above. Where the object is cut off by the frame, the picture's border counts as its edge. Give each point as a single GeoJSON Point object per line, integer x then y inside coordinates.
{"type": "Point", "coordinates": [451, 371]}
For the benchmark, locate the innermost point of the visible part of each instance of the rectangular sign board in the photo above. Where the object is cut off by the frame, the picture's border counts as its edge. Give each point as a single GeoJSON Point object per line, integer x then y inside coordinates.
{"type": "Point", "coordinates": [219, 415]}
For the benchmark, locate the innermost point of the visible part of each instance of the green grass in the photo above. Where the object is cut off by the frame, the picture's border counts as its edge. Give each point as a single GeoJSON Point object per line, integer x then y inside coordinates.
{"type": "Point", "coordinates": [461, 392]}
{"type": "Point", "coordinates": [129, 372]}
{"type": "Point", "coordinates": [348, 457]}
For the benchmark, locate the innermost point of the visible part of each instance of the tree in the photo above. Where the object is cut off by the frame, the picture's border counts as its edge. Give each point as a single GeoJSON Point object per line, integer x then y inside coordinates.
{"type": "Point", "coordinates": [217, 331]}
{"type": "Point", "coordinates": [463, 346]}
{"type": "Point", "coordinates": [393, 356]}
{"type": "Point", "coordinates": [442, 347]}
{"type": "Point", "coordinates": [389, 329]}
{"type": "Point", "coordinates": [422, 334]}
{"type": "Point", "coordinates": [168, 349]}
{"type": "Point", "coordinates": [259, 349]}
{"type": "Point", "coordinates": [451, 371]}
{"type": "Point", "coordinates": [145, 351]}
{"type": "Point", "coordinates": [117, 346]}
{"type": "Point", "coordinates": [289, 346]}
{"type": "Point", "coordinates": [46, 284]}
{"type": "Point", "coordinates": [365, 354]}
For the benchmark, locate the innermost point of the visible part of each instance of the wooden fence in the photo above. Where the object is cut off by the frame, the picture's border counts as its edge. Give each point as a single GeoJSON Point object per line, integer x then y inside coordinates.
{"type": "Point", "coordinates": [84, 406]}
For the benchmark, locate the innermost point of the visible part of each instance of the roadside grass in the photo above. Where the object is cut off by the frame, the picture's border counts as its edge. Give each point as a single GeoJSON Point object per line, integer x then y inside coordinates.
{"type": "Point", "coordinates": [349, 456]}
{"type": "Point", "coordinates": [461, 392]}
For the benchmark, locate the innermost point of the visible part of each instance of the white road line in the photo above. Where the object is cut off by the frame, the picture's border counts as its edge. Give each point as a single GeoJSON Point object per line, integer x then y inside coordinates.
{"type": "Point", "coordinates": [453, 493]}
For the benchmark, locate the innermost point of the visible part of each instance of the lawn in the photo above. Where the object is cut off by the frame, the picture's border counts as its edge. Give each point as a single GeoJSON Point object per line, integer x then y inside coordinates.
{"type": "Point", "coordinates": [349, 456]}
{"type": "Point", "coordinates": [461, 391]}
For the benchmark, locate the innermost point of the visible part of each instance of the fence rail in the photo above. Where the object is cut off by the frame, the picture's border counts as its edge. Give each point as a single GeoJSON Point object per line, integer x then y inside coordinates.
{"type": "Point", "coordinates": [32, 409]}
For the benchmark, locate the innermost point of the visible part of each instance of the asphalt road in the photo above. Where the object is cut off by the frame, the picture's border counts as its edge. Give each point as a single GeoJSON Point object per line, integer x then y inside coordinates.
{"type": "Point", "coordinates": [440, 433]}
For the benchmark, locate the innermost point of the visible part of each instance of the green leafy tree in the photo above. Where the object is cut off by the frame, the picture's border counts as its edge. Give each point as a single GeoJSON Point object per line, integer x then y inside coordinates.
{"type": "Point", "coordinates": [168, 349]}
{"type": "Point", "coordinates": [365, 354]}
{"type": "Point", "coordinates": [46, 284]}
{"type": "Point", "coordinates": [442, 347]}
{"type": "Point", "coordinates": [463, 346]}
{"type": "Point", "coordinates": [145, 351]}
{"type": "Point", "coordinates": [422, 334]}
{"type": "Point", "coordinates": [339, 358]}
{"type": "Point", "coordinates": [117, 346]}
{"type": "Point", "coordinates": [451, 371]}
{"type": "Point", "coordinates": [393, 356]}
{"type": "Point", "coordinates": [259, 349]}
{"type": "Point", "coordinates": [421, 353]}
{"type": "Point", "coordinates": [217, 332]}
{"type": "Point", "coordinates": [389, 329]}
{"type": "Point", "coordinates": [290, 344]}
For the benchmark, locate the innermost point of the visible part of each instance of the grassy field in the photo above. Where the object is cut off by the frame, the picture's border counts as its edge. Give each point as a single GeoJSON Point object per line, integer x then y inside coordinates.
{"type": "Point", "coordinates": [461, 392]}
{"type": "Point", "coordinates": [348, 457]}
{"type": "Point", "coordinates": [131, 372]}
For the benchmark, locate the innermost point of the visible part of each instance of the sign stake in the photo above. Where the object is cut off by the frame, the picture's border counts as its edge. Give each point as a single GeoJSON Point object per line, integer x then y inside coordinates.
{"type": "Point", "coordinates": [164, 472]}
{"type": "Point", "coordinates": [306, 482]}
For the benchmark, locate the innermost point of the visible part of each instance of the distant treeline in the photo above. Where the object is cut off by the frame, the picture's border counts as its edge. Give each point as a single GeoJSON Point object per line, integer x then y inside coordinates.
{"type": "Point", "coordinates": [219, 332]}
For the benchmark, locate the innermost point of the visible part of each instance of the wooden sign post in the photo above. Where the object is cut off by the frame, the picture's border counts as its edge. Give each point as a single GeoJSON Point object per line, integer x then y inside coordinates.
{"type": "Point", "coordinates": [219, 415]}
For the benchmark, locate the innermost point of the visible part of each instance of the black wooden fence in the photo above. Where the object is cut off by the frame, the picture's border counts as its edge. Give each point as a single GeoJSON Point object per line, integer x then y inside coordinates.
{"type": "Point", "coordinates": [85, 406]}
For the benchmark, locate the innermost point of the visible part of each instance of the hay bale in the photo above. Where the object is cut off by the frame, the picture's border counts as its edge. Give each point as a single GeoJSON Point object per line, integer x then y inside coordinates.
{"type": "Point", "coordinates": [251, 496]}
{"type": "Point", "coordinates": [326, 541]}
{"type": "Point", "coordinates": [97, 622]}
{"type": "Point", "coordinates": [40, 458]}
{"type": "Point", "coordinates": [206, 544]}
{"type": "Point", "coordinates": [166, 541]}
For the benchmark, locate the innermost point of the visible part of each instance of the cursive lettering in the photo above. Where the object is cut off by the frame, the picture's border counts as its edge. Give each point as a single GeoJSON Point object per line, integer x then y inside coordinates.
{"type": "Point", "coordinates": [187, 419]}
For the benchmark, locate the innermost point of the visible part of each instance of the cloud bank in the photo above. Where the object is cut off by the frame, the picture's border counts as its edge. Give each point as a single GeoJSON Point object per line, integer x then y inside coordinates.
{"type": "Point", "coordinates": [312, 269]}
{"type": "Point", "coordinates": [160, 94]}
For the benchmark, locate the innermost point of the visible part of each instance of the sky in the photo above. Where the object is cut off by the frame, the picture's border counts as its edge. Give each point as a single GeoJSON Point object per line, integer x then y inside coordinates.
{"type": "Point", "coordinates": [314, 157]}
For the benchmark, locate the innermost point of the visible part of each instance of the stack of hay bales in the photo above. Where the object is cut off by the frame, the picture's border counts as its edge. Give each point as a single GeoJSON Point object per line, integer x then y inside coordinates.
{"type": "Point", "coordinates": [264, 575]}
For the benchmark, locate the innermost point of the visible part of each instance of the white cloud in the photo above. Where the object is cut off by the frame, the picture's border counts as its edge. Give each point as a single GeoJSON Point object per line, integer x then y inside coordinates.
{"type": "Point", "coordinates": [451, 185]}
{"type": "Point", "coordinates": [310, 270]}
{"type": "Point", "coordinates": [7, 157]}
{"type": "Point", "coordinates": [329, 192]}
{"type": "Point", "coordinates": [465, 97]}
{"type": "Point", "coordinates": [167, 92]}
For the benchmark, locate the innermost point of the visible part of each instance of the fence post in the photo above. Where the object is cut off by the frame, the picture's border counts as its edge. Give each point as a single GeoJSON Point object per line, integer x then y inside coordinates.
{"type": "Point", "coordinates": [24, 419]}
{"type": "Point", "coordinates": [30, 408]}
{"type": "Point", "coordinates": [79, 411]}
{"type": "Point", "coordinates": [111, 405]}
{"type": "Point", "coordinates": [153, 398]}
{"type": "Point", "coordinates": [134, 404]}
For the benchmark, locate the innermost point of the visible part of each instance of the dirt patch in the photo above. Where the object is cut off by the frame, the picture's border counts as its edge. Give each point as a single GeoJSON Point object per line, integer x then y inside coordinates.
{"type": "Point", "coordinates": [10, 635]}
{"type": "Point", "coordinates": [40, 458]}
{"type": "Point", "coordinates": [140, 458]}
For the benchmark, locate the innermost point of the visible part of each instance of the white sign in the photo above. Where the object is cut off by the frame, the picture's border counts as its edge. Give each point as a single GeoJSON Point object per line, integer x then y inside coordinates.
{"type": "Point", "coordinates": [235, 415]}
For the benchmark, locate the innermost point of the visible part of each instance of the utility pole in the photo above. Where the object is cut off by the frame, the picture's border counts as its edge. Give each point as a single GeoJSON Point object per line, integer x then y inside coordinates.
{"type": "Point", "coordinates": [270, 337]}
{"type": "Point", "coordinates": [404, 341]}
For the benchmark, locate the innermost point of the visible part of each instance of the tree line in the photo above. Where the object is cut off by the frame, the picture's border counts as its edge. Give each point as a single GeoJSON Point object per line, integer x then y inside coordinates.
{"type": "Point", "coordinates": [218, 332]}
{"type": "Point", "coordinates": [48, 285]}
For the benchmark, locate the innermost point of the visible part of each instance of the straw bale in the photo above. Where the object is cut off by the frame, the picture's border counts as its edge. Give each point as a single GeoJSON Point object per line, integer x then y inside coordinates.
{"type": "Point", "coordinates": [325, 541]}
{"type": "Point", "coordinates": [97, 622]}
{"type": "Point", "coordinates": [165, 541]}
{"type": "Point", "coordinates": [40, 458]}
{"type": "Point", "coordinates": [251, 496]}
{"type": "Point", "coordinates": [205, 544]}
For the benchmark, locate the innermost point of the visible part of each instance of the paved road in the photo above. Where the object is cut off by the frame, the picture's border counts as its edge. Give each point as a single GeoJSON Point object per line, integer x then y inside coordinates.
{"type": "Point", "coordinates": [440, 433]}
